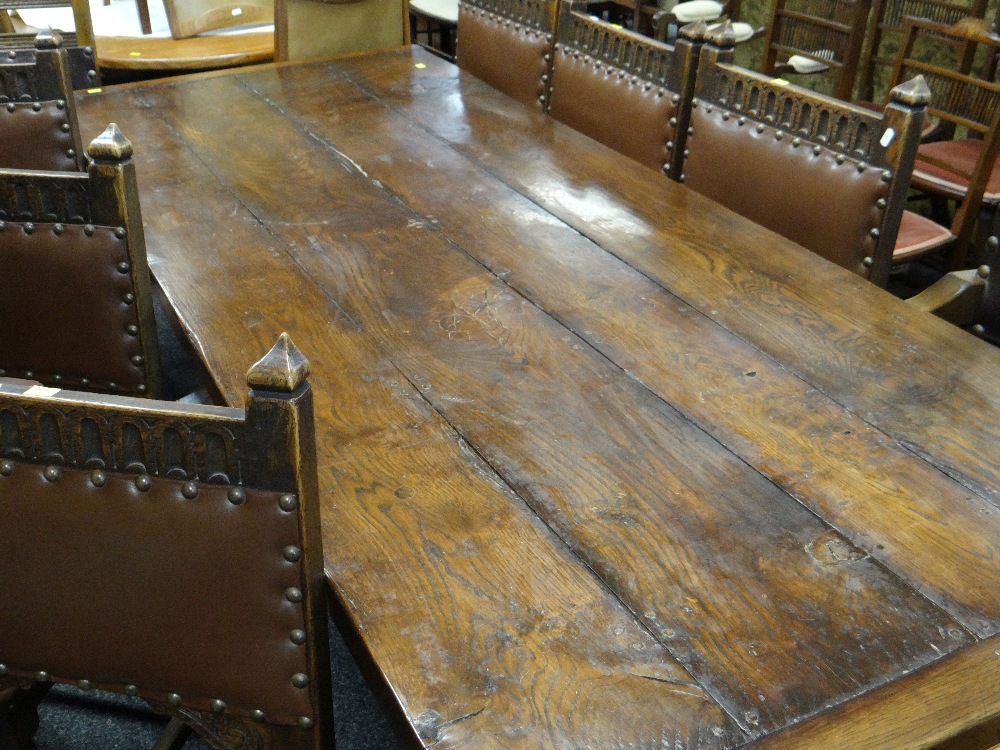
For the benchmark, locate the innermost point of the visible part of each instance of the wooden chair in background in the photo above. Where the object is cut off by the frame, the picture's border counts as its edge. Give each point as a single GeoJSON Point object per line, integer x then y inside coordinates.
{"type": "Point", "coordinates": [623, 89]}
{"type": "Point", "coordinates": [962, 169]}
{"type": "Point", "coordinates": [969, 299]}
{"type": "Point", "coordinates": [816, 36]}
{"type": "Point", "coordinates": [79, 42]}
{"type": "Point", "coordinates": [189, 18]}
{"type": "Point", "coordinates": [885, 26]}
{"type": "Point", "coordinates": [507, 44]}
{"type": "Point", "coordinates": [823, 173]}
{"type": "Point", "coordinates": [171, 552]}
{"type": "Point", "coordinates": [38, 124]}
{"type": "Point", "coordinates": [667, 22]}
{"type": "Point", "coordinates": [307, 29]}
{"type": "Point", "coordinates": [434, 25]}
{"type": "Point", "coordinates": [75, 296]}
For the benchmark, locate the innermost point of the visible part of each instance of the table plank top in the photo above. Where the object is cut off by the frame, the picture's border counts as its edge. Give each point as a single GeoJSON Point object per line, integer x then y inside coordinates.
{"type": "Point", "coordinates": [602, 464]}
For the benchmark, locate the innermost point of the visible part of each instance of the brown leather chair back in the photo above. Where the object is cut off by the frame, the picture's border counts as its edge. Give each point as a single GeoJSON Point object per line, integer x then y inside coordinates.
{"type": "Point", "coordinates": [172, 552]}
{"type": "Point", "coordinates": [827, 175]}
{"type": "Point", "coordinates": [622, 89]}
{"type": "Point", "coordinates": [827, 32]}
{"type": "Point", "coordinates": [79, 43]}
{"type": "Point", "coordinates": [75, 303]}
{"type": "Point", "coordinates": [38, 125]}
{"type": "Point", "coordinates": [507, 44]}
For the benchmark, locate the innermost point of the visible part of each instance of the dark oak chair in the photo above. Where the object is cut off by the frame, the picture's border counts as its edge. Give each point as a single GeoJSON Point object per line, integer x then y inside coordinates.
{"type": "Point", "coordinates": [816, 36]}
{"type": "Point", "coordinates": [187, 18]}
{"type": "Point", "coordinates": [171, 552]}
{"type": "Point", "coordinates": [885, 25]}
{"type": "Point", "coordinates": [79, 43]}
{"type": "Point", "coordinates": [305, 29]}
{"type": "Point", "coordinates": [964, 169]}
{"type": "Point", "coordinates": [970, 299]}
{"type": "Point", "coordinates": [434, 25]}
{"type": "Point", "coordinates": [623, 89]}
{"type": "Point", "coordinates": [507, 44]}
{"type": "Point", "coordinates": [75, 296]}
{"type": "Point", "coordinates": [830, 176]}
{"type": "Point", "coordinates": [38, 125]}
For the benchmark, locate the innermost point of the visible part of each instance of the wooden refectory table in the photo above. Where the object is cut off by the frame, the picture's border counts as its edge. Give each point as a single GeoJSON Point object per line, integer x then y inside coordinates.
{"type": "Point", "coordinates": [602, 464]}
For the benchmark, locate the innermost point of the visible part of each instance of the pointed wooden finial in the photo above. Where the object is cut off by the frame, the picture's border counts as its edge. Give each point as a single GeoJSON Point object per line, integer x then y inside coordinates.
{"type": "Point", "coordinates": [284, 368]}
{"type": "Point", "coordinates": [696, 31]}
{"type": "Point", "coordinates": [110, 145]}
{"type": "Point", "coordinates": [48, 39]}
{"type": "Point", "coordinates": [913, 92]}
{"type": "Point", "coordinates": [723, 36]}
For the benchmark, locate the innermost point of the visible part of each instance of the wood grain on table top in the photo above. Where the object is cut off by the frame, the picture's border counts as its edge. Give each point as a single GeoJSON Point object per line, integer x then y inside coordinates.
{"type": "Point", "coordinates": [489, 318]}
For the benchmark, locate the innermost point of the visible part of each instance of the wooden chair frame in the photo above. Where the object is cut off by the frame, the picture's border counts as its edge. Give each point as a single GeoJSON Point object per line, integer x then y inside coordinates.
{"type": "Point", "coordinates": [79, 43]}
{"type": "Point", "coordinates": [104, 198]}
{"type": "Point", "coordinates": [839, 31]}
{"type": "Point", "coordinates": [261, 454]}
{"type": "Point", "coordinates": [850, 136]}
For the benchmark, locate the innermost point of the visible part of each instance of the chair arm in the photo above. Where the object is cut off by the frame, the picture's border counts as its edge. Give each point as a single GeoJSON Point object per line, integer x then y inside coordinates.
{"type": "Point", "coordinates": [956, 297]}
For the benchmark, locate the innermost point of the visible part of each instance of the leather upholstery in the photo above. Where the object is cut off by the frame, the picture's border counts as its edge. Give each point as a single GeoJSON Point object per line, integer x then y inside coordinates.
{"type": "Point", "coordinates": [31, 139]}
{"type": "Point", "coordinates": [69, 293]}
{"type": "Point", "coordinates": [612, 107]}
{"type": "Point", "coordinates": [126, 587]}
{"type": "Point", "coordinates": [508, 56]}
{"type": "Point", "coordinates": [964, 154]}
{"type": "Point", "coordinates": [824, 206]}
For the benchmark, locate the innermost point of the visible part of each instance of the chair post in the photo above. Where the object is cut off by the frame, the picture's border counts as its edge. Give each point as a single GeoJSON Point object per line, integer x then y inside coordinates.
{"type": "Point", "coordinates": [690, 40]}
{"type": "Point", "coordinates": [904, 120]}
{"type": "Point", "coordinates": [279, 412]}
{"type": "Point", "coordinates": [114, 197]}
{"type": "Point", "coordinates": [55, 83]}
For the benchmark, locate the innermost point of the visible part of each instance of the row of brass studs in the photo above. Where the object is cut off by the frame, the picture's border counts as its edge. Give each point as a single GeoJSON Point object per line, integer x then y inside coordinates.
{"type": "Point", "coordinates": [237, 496]}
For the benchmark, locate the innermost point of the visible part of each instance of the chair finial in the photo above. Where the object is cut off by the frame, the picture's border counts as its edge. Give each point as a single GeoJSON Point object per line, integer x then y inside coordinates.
{"type": "Point", "coordinates": [695, 31]}
{"type": "Point", "coordinates": [284, 368]}
{"type": "Point", "coordinates": [48, 39]}
{"type": "Point", "coordinates": [914, 92]}
{"type": "Point", "coordinates": [110, 145]}
{"type": "Point", "coordinates": [723, 36]}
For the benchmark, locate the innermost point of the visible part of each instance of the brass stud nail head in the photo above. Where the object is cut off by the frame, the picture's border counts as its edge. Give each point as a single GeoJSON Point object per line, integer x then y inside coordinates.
{"type": "Point", "coordinates": [292, 553]}
{"type": "Point", "coordinates": [173, 699]}
{"type": "Point", "coordinates": [29, 228]}
{"type": "Point", "coordinates": [868, 262]}
{"type": "Point", "coordinates": [189, 490]}
{"type": "Point", "coordinates": [132, 329]}
{"type": "Point", "coordinates": [237, 495]}
{"type": "Point", "coordinates": [886, 175]}
{"type": "Point", "coordinates": [143, 483]}
{"type": "Point", "coordinates": [760, 128]}
{"type": "Point", "coordinates": [58, 229]}
{"type": "Point", "coordinates": [6, 467]}
{"type": "Point", "coordinates": [673, 122]}
{"type": "Point", "coordinates": [840, 158]}
{"type": "Point", "coordinates": [862, 166]}
{"type": "Point", "coordinates": [36, 106]}
{"type": "Point", "coordinates": [993, 241]}
{"type": "Point", "coordinates": [84, 382]}
{"type": "Point", "coordinates": [64, 127]}
{"type": "Point", "coordinates": [288, 503]}
{"type": "Point", "coordinates": [3, 670]}
{"type": "Point", "coordinates": [71, 153]}
{"type": "Point", "coordinates": [300, 680]}
{"type": "Point", "coordinates": [874, 232]}
{"type": "Point", "coordinates": [89, 229]}
{"type": "Point", "coordinates": [304, 722]}
{"type": "Point", "coordinates": [11, 106]}
{"type": "Point", "coordinates": [298, 637]}
{"type": "Point", "coordinates": [778, 135]}
{"type": "Point", "coordinates": [123, 267]}
{"type": "Point", "coordinates": [676, 99]}
{"type": "Point", "coordinates": [42, 676]}
{"type": "Point", "coordinates": [132, 690]}
{"type": "Point", "coordinates": [218, 706]}
{"type": "Point", "coordinates": [51, 473]}
{"type": "Point", "coordinates": [293, 595]}
{"type": "Point", "coordinates": [725, 115]}
{"type": "Point", "coordinates": [796, 142]}
{"type": "Point", "coordinates": [258, 715]}
{"type": "Point", "coordinates": [84, 684]}
{"type": "Point", "coordinates": [60, 104]}
{"type": "Point", "coordinates": [880, 203]}
{"type": "Point", "coordinates": [129, 298]}
{"type": "Point", "coordinates": [98, 478]}
{"type": "Point", "coordinates": [137, 359]}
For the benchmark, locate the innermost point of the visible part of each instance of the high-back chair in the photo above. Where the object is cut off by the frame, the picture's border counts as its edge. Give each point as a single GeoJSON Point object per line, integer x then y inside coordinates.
{"type": "Point", "coordinates": [171, 552]}
{"type": "Point", "coordinates": [623, 89]}
{"type": "Point", "coordinates": [830, 176]}
{"type": "Point", "coordinates": [75, 304]}
{"type": "Point", "coordinates": [969, 299]}
{"type": "Point", "coordinates": [816, 36]}
{"type": "Point", "coordinates": [507, 44]}
{"type": "Point", "coordinates": [965, 169]}
{"type": "Point", "coordinates": [885, 24]}
{"type": "Point", "coordinates": [38, 125]}
{"type": "Point", "coordinates": [79, 42]}
{"type": "Point", "coordinates": [668, 22]}
{"type": "Point", "coordinates": [305, 29]}
{"type": "Point", "coordinates": [187, 18]}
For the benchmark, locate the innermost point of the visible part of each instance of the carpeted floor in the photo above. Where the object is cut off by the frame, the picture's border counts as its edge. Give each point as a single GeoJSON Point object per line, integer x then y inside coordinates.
{"type": "Point", "coordinates": [73, 720]}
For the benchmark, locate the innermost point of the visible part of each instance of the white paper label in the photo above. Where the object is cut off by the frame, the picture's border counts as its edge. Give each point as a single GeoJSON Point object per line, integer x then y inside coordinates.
{"type": "Point", "coordinates": [887, 137]}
